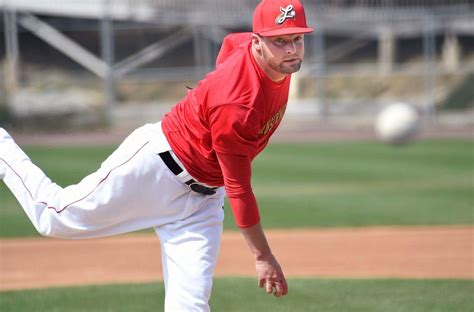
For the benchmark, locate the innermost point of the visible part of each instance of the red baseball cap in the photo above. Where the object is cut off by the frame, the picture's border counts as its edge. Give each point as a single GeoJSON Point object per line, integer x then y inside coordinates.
{"type": "Point", "coordinates": [280, 17]}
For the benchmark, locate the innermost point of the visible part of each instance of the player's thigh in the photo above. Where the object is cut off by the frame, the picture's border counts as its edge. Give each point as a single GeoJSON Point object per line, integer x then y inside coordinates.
{"type": "Point", "coordinates": [194, 241]}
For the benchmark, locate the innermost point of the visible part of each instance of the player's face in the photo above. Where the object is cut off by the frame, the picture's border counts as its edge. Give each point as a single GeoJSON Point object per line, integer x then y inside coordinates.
{"type": "Point", "coordinates": [284, 54]}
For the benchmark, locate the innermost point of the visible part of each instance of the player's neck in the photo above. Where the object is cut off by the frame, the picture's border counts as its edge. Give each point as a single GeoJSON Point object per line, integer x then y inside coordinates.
{"type": "Point", "coordinates": [270, 72]}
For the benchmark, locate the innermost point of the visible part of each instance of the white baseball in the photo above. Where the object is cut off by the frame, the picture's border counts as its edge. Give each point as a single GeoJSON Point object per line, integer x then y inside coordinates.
{"type": "Point", "coordinates": [397, 123]}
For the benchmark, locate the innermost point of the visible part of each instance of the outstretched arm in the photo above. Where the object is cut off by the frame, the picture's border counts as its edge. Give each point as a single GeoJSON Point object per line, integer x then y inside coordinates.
{"type": "Point", "coordinates": [237, 173]}
{"type": "Point", "coordinates": [269, 272]}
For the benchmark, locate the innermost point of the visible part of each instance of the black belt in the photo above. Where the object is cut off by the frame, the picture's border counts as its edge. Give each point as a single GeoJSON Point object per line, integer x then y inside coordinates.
{"type": "Point", "coordinates": [176, 169]}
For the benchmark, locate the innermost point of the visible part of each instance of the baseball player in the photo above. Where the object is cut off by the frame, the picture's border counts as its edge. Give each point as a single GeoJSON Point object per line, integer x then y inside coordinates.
{"type": "Point", "coordinates": [173, 175]}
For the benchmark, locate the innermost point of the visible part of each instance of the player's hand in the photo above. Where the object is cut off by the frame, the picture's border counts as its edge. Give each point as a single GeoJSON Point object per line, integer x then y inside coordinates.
{"type": "Point", "coordinates": [270, 276]}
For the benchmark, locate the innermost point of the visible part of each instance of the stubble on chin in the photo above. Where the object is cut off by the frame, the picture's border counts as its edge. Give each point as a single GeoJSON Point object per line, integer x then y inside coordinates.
{"type": "Point", "coordinates": [289, 69]}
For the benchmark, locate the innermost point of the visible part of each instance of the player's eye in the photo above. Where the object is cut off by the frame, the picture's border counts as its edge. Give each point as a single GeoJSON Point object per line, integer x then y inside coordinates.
{"type": "Point", "coordinates": [298, 39]}
{"type": "Point", "coordinates": [279, 41]}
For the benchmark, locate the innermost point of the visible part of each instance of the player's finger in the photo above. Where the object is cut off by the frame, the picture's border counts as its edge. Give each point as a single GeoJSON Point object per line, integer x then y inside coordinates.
{"type": "Point", "coordinates": [279, 289]}
{"type": "Point", "coordinates": [269, 287]}
{"type": "Point", "coordinates": [285, 286]}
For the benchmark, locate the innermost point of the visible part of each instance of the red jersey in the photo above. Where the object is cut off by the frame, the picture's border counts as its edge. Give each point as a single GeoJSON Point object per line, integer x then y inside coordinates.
{"type": "Point", "coordinates": [225, 121]}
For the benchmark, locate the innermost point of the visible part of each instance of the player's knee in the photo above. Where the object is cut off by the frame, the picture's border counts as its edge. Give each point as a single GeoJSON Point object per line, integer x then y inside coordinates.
{"type": "Point", "coordinates": [45, 230]}
{"type": "Point", "coordinates": [50, 228]}
{"type": "Point", "coordinates": [54, 233]}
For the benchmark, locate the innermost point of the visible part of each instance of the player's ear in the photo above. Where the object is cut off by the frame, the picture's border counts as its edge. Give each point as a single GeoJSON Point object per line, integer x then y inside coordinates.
{"type": "Point", "coordinates": [257, 42]}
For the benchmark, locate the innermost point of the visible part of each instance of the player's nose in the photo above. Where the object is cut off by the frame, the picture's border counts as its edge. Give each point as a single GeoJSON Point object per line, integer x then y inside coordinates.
{"type": "Point", "coordinates": [290, 48]}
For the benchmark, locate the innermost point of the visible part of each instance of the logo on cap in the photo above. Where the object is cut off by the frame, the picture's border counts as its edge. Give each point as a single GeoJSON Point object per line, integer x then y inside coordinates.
{"type": "Point", "coordinates": [286, 13]}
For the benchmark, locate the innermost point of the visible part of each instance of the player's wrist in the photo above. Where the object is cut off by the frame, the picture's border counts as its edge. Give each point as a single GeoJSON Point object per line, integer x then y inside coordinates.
{"type": "Point", "coordinates": [264, 256]}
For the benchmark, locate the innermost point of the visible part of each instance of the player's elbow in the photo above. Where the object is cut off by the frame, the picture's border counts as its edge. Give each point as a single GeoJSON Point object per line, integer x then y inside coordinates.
{"type": "Point", "coordinates": [234, 190]}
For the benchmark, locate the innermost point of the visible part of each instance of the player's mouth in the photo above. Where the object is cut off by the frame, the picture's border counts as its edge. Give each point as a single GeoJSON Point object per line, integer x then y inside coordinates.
{"type": "Point", "coordinates": [293, 60]}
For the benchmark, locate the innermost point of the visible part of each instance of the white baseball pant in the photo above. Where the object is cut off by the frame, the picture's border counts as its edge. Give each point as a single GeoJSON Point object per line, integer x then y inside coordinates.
{"type": "Point", "coordinates": [132, 190]}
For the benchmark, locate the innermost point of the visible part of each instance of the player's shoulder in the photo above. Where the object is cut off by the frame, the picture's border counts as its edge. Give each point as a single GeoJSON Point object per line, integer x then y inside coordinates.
{"type": "Point", "coordinates": [233, 44]}
{"type": "Point", "coordinates": [237, 38]}
{"type": "Point", "coordinates": [235, 77]}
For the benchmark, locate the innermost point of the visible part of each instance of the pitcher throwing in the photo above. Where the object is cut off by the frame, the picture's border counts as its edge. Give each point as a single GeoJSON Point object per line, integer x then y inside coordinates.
{"type": "Point", "coordinates": [173, 175]}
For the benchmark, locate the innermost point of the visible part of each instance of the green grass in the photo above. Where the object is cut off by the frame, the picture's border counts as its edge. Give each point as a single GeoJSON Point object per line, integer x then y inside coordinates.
{"type": "Point", "coordinates": [317, 184]}
{"type": "Point", "coordinates": [241, 294]}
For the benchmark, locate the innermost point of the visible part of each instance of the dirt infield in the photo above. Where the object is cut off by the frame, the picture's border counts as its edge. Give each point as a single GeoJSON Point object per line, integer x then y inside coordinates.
{"type": "Point", "coordinates": [418, 252]}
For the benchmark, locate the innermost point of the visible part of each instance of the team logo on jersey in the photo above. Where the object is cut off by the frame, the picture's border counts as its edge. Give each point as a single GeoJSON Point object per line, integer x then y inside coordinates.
{"type": "Point", "coordinates": [286, 13]}
{"type": "Point", "coordinates": [272, 122]}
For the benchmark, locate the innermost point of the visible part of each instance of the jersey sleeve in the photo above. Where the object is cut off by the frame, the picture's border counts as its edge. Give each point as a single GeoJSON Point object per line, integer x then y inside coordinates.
{"type": "Point", "coordinates": [233, 136]}
{"type": "Point", "coordinates": [237, 180]}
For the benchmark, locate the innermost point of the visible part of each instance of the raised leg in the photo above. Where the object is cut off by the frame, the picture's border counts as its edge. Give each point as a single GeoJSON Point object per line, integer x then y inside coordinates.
{"type": "Point", "coordinates": [132, 190]}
